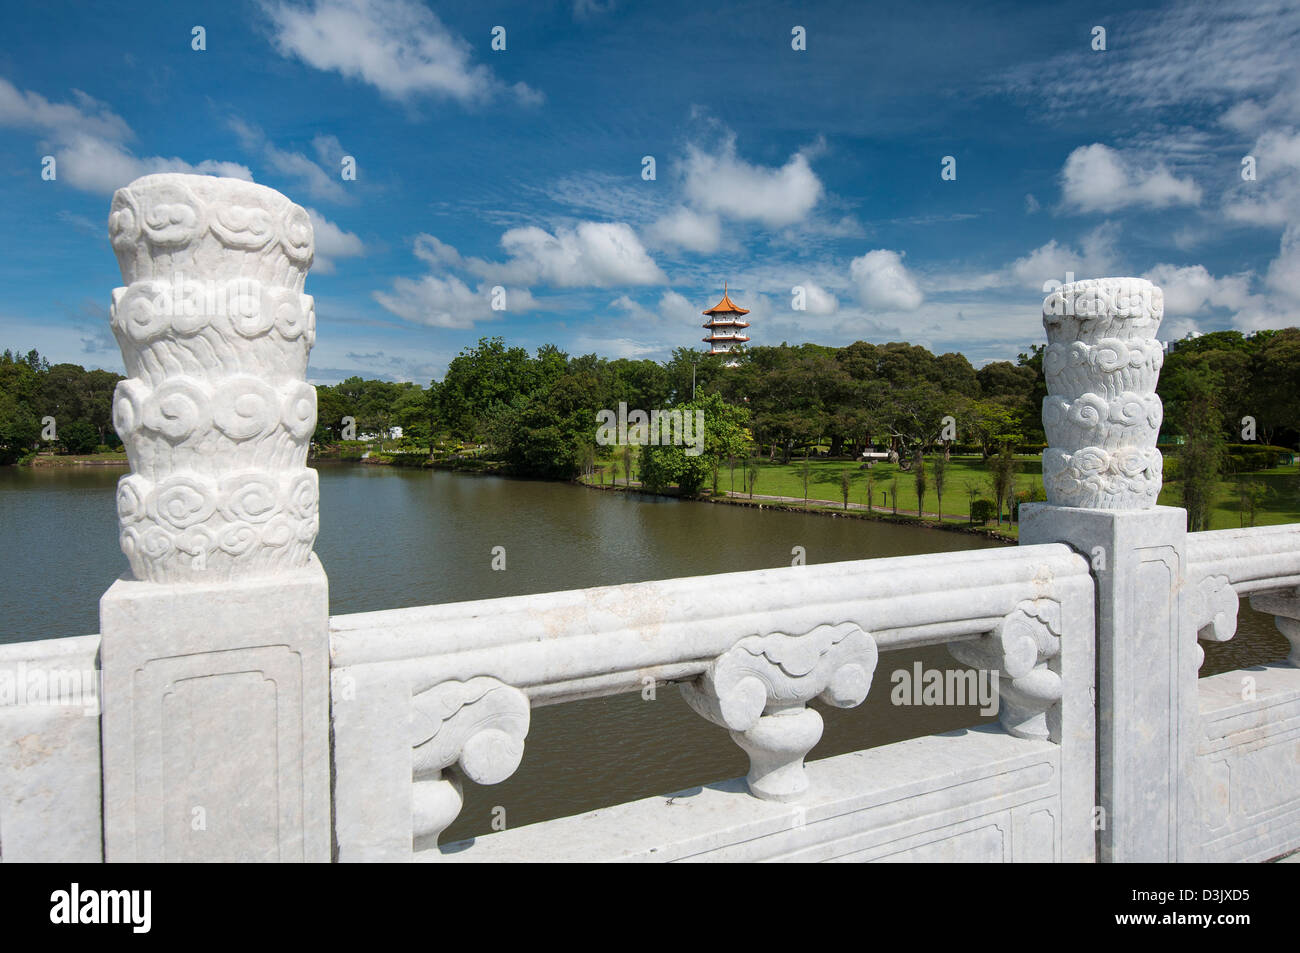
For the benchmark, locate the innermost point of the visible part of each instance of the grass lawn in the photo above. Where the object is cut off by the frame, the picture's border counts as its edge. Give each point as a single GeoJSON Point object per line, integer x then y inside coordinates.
{"type": "Point", "coordinates": [1281, 503]}
{"type": "Point", "coordinates": [824, 482]}
{"type": "Point", "coordinates": [77, 459]}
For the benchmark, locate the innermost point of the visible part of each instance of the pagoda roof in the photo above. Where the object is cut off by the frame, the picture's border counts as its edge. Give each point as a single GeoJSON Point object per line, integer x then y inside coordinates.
{"type": "Point", "coordinates": [726, 306]}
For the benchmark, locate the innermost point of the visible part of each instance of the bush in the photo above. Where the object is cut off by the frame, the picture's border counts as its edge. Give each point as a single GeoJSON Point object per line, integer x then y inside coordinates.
{"type": "Point", "coordinates": [78, 437]}
{"type": "Point", "coordinates": [1035, 494]}
{"type": "Point", "coordinates": [1249, 457]}
{"type": "Point", "coordinates": [981, 511]}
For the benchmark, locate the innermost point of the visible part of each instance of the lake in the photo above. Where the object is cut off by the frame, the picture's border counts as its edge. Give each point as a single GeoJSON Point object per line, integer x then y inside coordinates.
{"type": "Point", "coordinates": [396, 537]}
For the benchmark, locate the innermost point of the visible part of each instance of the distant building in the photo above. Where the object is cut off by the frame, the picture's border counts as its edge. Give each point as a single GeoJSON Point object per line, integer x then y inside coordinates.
{"type": "Point", "coordinates": [726, 325]}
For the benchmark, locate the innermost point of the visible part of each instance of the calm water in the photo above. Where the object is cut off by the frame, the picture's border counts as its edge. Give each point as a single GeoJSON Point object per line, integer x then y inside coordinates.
{"type": "Point", "coordinates": [392, 538]}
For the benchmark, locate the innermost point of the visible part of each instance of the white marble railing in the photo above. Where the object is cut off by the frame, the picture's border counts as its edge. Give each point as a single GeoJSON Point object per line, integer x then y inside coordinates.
{"type": "Point", "coordinates": [1248, 747]}
{"type": "Point", "coordinates": [748, 649]}
{"type": "Point", "coordinates": [240, 722]}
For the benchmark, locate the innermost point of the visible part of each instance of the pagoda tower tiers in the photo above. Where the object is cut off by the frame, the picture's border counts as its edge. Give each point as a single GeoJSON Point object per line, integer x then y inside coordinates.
{"type": "Point", "coordinates": [726, 325]}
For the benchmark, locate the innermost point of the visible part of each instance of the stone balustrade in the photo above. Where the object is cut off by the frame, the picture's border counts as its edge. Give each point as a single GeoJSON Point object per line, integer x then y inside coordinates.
{"type": "Point", "coordinates": [231, 719]}
{"type": "Point", "coordinates": [749, 650]}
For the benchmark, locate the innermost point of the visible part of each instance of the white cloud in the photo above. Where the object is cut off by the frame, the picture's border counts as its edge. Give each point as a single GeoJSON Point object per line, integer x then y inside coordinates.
{"type": "Point", "coordinates": [1192, 289]}
{"type": "Point", "coordinates": [89, 117]}
{"type": "Point", "coordinates": [398, 46]}
{"type": "Point", "coordinates": [87, 141]}
{"type": "Point", "coordinates": [818, 300]}
{"type": "Point", "coordinates": [448, 302]}
{"type": "Point", "coordinates": [331, 243]}
{"type": "Point", "coordinates": [1182, 54]}
{"type": "Point", "coordinates": [595, 254]}
{"type": "Point", "coordinates": [726, 183]}
{"type": "Point", "coordinates": [684, 228]}
{"type": "Point", "coordinates": [672, 310]}
{"type": "Point", "coordinates": [1097, 178]}
{"type": "Point", "coordinates": [1284, 271]}
{"type": "Point", "coordinates": [1050, 262]}
{"type": "Point", "coordinates": [307, 175]}
{"type": "Point", "coordinates": [1273, 198]}
{"type": "Point", "coordinates": [884, 283]}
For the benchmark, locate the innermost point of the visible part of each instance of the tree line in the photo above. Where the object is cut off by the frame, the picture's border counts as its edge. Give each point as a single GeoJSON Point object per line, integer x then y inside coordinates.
{"type": "Point", "coordinates": [535, 411]}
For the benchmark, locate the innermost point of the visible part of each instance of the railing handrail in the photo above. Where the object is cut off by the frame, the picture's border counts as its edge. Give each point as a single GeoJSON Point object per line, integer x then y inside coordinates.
{"type": "Point", "coordinates": [1252, 558]}
{"type": "Point", "coordinates": [549, 643]}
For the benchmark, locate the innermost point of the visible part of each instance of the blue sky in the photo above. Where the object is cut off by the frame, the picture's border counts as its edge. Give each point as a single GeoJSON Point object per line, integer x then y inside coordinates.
{"type": "Point", "coordinates": [522, 168]}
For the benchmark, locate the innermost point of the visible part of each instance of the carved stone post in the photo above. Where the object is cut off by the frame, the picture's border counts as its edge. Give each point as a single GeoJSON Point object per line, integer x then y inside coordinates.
{"type": "Point", "coordinates": [215, 648]}
{"type": "Point", "coordinates": [1102, 474]}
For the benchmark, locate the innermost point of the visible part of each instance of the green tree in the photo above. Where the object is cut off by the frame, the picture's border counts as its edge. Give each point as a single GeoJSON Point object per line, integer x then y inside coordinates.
{"type": "Point", "coordinates": [940, 469]}
{"type": "Point", "coordinates": [1201, 457]}
{"type": "Point", "coordinates": [79, 436]}
{"type": "Point", "coordinates": [918, 475]}
{"type": "Point", "coordinates": [1002, 477]}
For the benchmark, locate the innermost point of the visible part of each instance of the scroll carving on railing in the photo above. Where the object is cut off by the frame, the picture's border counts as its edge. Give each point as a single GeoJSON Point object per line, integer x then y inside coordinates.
{"type": "Point", "coordinates": [215, 413]}
{"type": "Point", "coordinates": [479, 726]}
{"type": "Point", "coordinates": [1020, 650]}
{"type": "Point", "coordinates": [759, 689]}
{"type": "Point", "coordinates": [1215, 605]}
{"type": "Point", "coordinates": [1284, 607]}
{"type": "Point", "coordinates": [1102, 415]}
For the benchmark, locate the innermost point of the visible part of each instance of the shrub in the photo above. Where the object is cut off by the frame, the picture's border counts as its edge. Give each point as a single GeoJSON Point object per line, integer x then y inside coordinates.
{"type": "Point", "coordinates": [982, 511]}
{"type": "Point", "coordinates": [1035, 494]}
{"type": "Point", "coordinates": [1249, 457]}
{"type": "Point", "coordinates": [78, 437]}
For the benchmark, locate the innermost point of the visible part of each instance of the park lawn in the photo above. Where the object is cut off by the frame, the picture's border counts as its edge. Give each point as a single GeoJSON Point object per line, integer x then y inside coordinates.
{"type": "Point", "coordinates": [1281, 503]}
{"type": "Point", "coordinates": [777, 479]}
{"type": "Point", "coordinates": [77, 459]}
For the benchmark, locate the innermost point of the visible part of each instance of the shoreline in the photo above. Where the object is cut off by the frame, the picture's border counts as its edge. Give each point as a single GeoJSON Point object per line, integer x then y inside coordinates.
{"type": "Point", "coordinates": [824, 510]}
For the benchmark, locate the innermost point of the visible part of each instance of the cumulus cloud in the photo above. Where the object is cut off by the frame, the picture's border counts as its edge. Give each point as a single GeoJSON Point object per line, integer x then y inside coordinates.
{"type": "Point", "coordinates": [400, 47]}
{"type": "Point", "coordinates": [595, 254]}
{"type": "Point", "coordinates": [725, 183]}
{"type": "Point", "coordinates": [331, 242]}
{"type": "Point", "coordinates": [1273, 198]}
{"type": "Point", "coordinates": [672, 310]}
{"type": "Point", "coordinates": [1284, 271]}
{"type": "Point", "coordinates": [1097, 178]}
{"type": "Point", "coordinates": [684, 228]}
{"type": "Point", "coordinates": [1191, 289]}
{"type": "Point", "coordinates": [817, 300]}
{"type": "Point", "coordinates": [884, 283]}
{"type": "Point", "coordinates": [1051, 262]}
{"type": "Point", "coordinates": [88, 142]}
{"type": "Point", "coordinates": [448, 302]}
{"type": "Point", "coordinates": [305, 173]}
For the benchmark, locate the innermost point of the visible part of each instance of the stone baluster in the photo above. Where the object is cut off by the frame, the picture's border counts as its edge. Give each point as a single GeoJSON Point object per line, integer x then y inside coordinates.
{"type": "Point", "coordinates": [1284, 607]}
{"type": "Point", "coordinates": [1214, 605]}
{"type": "Point", "coordinates": [477, 726]}
{"type": "Point", "coordinates": [215, 647]}
{"type": "Point", "coordinates": [1102, 474]}
{"type": "Point", "coordinates": [1021, 651]}
{"type": "Point", "coordinates": [759, 690]}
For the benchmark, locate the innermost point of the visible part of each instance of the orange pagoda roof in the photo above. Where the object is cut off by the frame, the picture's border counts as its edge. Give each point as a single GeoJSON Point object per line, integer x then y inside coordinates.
{"type": "Point", "coordinates": [726, 306]}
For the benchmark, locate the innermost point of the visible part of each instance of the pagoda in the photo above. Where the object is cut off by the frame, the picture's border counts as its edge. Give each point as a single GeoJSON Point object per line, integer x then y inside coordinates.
{"type": "Point", "coordinates": [726, 325]}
